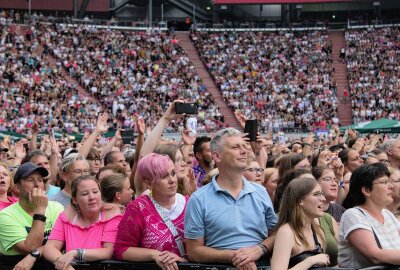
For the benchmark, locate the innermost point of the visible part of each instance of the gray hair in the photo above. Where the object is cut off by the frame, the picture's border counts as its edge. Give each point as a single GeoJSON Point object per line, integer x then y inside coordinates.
{"type": "Point", "coordinates": [388, 145]}
{"type": "Point", "coordinates": [215, 143]}
{"type": "Point", "coordinates": [70, 159]}
{"type": "Point", "coordinates": [34, 153]}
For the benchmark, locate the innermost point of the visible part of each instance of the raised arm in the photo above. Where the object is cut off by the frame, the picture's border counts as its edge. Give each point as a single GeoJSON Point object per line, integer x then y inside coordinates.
{"type": "Point", "coordinates": [109, 146]}
{"type": "Point", "coordinates": [35, 131]}
{"type": "Point", "coordinates": [53, 160]}
{"type": "Point", "coordinates": [101, 127]}
{"type": "Point", "coordinates": [188, 142]}
{"type": "Point", "coordinates": [39, 201]}
{"type": "Point", "coordinates": [141, 127]}
{"type": "Point", "coordinates": [155, 135]}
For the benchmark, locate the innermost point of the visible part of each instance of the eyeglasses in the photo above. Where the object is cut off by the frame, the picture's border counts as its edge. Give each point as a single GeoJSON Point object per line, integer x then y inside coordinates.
{"type": "Point", "coordinates": [330, 179]}
{"type": "Point", "coordinates": [384, 161]}
{"type": "Point", "coordinates": [318, 194]}
{"type": "Point", "coordinates": [255, 170]}
{"type": "Point", "coordinates": [98, 159]}
{"type": "Point", "coordinates": [383, 182]}
{"type": "Point", "coordinates": [80, 172]}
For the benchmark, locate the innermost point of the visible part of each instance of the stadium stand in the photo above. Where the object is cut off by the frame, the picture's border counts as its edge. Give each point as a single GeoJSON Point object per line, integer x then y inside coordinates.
{"type": "Point", "coordinates": [373, 72]}
{"type": "Point", "coordinates": [281, 78]}
{"type": "Point", "coordinates": [133, 73]}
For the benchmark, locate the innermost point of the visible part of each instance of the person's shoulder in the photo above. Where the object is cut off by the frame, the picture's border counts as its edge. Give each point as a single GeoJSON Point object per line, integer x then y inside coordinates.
{"type": "Point", "coordinates": [388, 213]}
{"type": "Point", "coordinates": [353, 213]}
{"type": "Point", "coordinates": [10, 210]}
{"type": "Point", "coordinates": [111, 210]}
{"type": "Point", "coordinates": [337, 207]}
{"type": "Point", "coordinates": [138, 203]}
{"type": "Point", "coordinates": [257, 188]}
{"type": "Point", "coordinates": [286, 230]}
{"type": "Point", "coordinates": [54, 209]}
{"type": "Point", "coordinates": [55, 205]}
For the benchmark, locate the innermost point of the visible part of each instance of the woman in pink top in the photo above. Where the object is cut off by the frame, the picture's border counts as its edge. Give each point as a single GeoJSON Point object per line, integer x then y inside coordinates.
{"type": "Point", "coordinates": [6, 184]}
{"type": "Point", "coordinates": [85, 229]}
{"type": "Point", "coordinates": [152, 226]}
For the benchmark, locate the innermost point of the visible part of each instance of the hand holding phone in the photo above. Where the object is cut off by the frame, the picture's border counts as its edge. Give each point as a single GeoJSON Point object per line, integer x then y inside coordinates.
{"type": "Point", "coordinates": [251, 128]}
{"type": "Point", "coordinates": [187, 108]}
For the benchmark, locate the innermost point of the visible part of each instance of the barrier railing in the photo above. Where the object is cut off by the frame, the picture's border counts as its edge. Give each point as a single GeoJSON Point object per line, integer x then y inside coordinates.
{"type": "Point", "coordinates": [8, 262]}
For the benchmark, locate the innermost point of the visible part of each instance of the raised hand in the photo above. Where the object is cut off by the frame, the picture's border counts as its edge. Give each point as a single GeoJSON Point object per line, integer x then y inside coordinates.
{"type": "Point", "coordinates": [102, 126]}
{"type": "Point", "coordinates": [140, 125]}
{"type": "Point", "coordinates": [241, 118]}
{"type": "Point", "coordinates": [187, 139]}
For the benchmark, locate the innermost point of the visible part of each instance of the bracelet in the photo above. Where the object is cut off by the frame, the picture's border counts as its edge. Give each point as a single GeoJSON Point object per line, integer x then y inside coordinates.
{"type": "Point", "coordinates": [307, 144]}
{"type": "Point", "coordinates": [263, 247]}
{"type": "Point", "coordinates": [80, 252]}
{"type": "Point", "coordinates": [39, 217]}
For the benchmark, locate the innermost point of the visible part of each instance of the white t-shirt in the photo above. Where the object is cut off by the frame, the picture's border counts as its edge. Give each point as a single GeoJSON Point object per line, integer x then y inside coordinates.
{"type": "Point", "coordinates": [353, 219]}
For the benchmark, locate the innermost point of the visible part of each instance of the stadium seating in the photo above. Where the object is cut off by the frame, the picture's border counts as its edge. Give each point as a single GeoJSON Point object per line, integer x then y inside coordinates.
{"type": "Point", "coordinates": [282, 78]}
{"type": "Point", "coordinates": [374, 73]}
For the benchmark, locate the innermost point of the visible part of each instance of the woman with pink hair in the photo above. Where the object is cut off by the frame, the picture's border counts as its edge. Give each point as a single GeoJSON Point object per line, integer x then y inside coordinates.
{"type": "Point", "coordinates": [152, 226]}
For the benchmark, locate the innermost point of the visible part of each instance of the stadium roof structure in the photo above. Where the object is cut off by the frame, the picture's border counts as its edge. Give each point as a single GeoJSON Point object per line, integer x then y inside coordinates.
{"type": "Point", "coordinates": [230, 2]}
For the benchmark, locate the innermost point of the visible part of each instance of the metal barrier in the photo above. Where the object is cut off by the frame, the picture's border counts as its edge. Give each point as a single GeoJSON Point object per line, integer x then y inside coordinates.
{"type": "Point", "coordinates": [8, 262]}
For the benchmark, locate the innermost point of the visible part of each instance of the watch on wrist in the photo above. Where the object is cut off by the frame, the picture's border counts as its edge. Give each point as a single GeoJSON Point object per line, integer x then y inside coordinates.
{"type": "Point", "coordinates": [35, 253]}
{"type": "Point", "coordinates": [39, 217]}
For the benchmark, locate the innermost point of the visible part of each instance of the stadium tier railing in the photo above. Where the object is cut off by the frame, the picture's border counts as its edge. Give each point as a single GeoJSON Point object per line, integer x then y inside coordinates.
{"type": "Point", "coordinates": [377, 23]}
{"type": "Point", "coordinates": [257, 26]}
{"type": "Point", "coordinates": [99, 23]}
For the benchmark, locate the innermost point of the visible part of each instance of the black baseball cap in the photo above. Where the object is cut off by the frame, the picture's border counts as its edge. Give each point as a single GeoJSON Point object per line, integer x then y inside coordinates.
{"type": "Point", "coordinates": [27, 169]}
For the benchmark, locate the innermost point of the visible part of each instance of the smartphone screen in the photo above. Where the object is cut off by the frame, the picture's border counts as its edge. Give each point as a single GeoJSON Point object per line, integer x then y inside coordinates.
{"type": "Point", "coordinates": [128, 136]}
{"type": "Point", "coordinates": [188, 108]}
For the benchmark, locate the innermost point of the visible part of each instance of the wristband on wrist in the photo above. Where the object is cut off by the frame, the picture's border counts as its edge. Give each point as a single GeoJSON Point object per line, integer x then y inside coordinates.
{"type": "Point", "coordinates": [307, 144]}
{"type": "Point", "coordinates": [263, 247]}
{"type": "Point", "coordinates": [39, 217]}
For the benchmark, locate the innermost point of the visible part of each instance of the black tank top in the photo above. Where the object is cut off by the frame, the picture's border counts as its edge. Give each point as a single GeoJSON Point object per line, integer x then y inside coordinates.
{"type": "Point", "coordinates": [307, 253]}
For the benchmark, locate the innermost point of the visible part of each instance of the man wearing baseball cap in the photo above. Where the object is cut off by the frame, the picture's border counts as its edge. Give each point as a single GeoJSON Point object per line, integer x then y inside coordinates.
{"type": "Point", "coordinates": [25, 226]}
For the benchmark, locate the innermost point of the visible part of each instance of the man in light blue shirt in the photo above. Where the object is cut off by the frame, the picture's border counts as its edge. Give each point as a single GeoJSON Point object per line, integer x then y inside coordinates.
{"type": "Point", "coordinates": [229, 220]}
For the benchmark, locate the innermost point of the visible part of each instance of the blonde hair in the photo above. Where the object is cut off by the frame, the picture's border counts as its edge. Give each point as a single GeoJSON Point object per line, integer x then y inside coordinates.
{"type": "Point", "coordinates": [10, 175]}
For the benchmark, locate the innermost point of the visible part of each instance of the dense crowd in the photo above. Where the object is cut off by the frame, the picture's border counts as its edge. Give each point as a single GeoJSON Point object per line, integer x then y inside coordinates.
{"type": "Point", "coordinates": [282, 78]}
{"type": "Point", "coordinates": [202, 199]}
{"type": "Point", "coordinates": [32, 90]}
{"type": "Point", "coordinates": [372, 57]}
{"type": "Point", "coordinates": [133, 73]}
